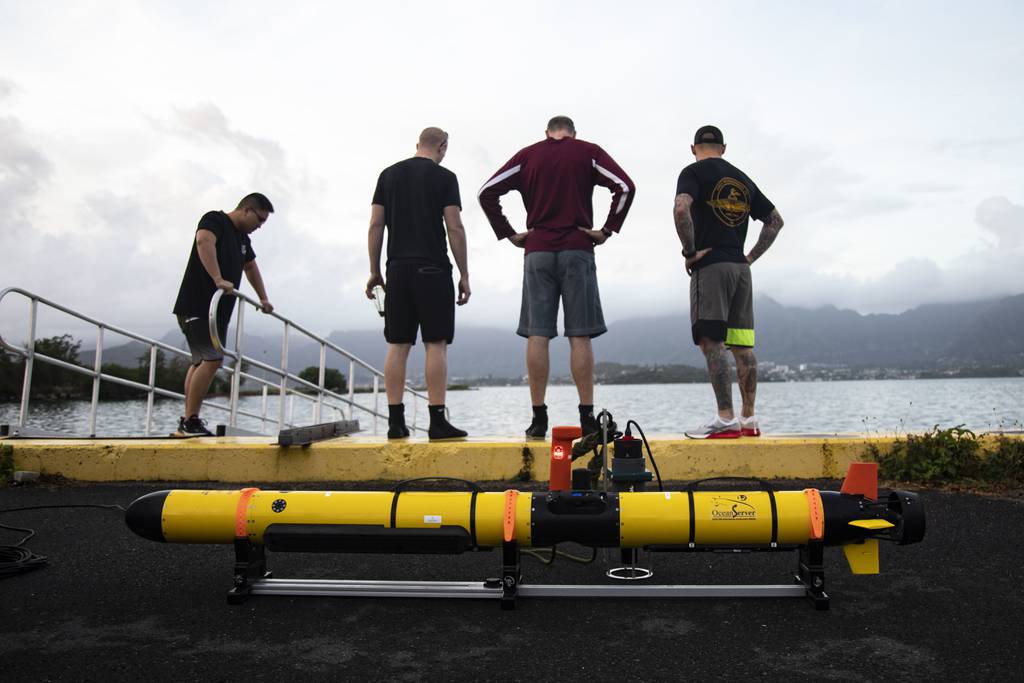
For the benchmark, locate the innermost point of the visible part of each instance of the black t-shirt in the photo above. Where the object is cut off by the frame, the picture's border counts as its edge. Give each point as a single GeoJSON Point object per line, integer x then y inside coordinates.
{"type": "Point", "coordinates": [724, 199]}
{"type": "Point", "coordinates": [234, 250]}
{"type": "Point", "coordinates": [414, 194]}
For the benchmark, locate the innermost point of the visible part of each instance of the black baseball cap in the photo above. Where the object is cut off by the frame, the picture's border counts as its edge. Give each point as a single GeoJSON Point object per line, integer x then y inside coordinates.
{"type": "Point", "coordinates": [708, 135]}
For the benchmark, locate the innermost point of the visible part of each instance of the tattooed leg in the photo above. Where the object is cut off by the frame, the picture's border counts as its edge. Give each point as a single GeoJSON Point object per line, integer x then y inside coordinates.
{"type": "Point", "coordinates": [746, 374]}
{"type": "Point", "coordinates": [720, 375]}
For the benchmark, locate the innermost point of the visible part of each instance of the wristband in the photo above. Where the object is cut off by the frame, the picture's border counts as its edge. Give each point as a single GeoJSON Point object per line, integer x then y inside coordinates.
{"type": "Point", "coordinates": [690, 255]}
{"type": "Point", "coordinates": [607, 231]}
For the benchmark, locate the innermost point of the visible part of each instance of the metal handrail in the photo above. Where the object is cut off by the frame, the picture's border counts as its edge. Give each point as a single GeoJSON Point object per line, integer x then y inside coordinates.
{"type": "Point", "coordinates": [30, 355]}
{"type": "Point", "coordinates": [282, 372]}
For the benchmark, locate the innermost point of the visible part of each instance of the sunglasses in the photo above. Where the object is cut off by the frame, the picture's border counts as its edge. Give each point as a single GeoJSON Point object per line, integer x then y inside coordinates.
{"type": "Point", "coordinates": [262, 219]}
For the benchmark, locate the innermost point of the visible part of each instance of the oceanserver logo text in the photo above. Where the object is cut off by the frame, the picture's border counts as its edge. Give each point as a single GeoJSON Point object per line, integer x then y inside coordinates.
{"type": "Point", "coordinates": [732, 507]}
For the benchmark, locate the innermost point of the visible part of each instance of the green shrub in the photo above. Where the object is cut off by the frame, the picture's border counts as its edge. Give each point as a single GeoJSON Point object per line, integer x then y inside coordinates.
{"type": "Point", "coordinates": [1005, 464]}
{"type": "Point", "coordinates": [334, 380]}
{"type": "Point", "coordinates": [954, 455]}
{"type": "Point", "coordinates": [935, 457]}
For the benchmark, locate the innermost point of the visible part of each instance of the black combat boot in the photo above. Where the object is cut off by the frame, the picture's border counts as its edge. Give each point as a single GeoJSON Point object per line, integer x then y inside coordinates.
{"type": "Point", "coordinates": [396, 421]}
{"type": "Point", "coordinates": [440, 428]}
{"type": "Point", "coordinates": [588, 423]}
{"type": "Point", "coordinates": [538, 429]}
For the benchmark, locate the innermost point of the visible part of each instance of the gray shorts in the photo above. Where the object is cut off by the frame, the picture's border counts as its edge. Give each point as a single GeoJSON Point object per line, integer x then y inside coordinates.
{"type": "Point", "coordinates": [569, 275]}
{"type": "Point", "coordinates": [722, 304]}
{"type": "Point", "coordinates": [197, 333]}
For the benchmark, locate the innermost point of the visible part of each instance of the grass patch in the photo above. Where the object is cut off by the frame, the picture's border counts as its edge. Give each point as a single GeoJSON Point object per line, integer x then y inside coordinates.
{"type": "Point", "coordinates": [955, 455]}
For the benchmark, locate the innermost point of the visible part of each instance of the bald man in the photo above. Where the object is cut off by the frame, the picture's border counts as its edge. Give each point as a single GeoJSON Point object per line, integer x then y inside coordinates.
{"type": "Point", "coordinates": [415, 201]}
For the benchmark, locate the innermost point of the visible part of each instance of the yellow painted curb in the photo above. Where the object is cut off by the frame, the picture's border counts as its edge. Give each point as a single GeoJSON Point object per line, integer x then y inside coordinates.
{"type": "Point", "coordinates": [249, 459]}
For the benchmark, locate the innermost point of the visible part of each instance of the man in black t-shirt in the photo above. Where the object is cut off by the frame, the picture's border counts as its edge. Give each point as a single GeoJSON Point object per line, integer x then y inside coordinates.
{"type": "Point", "coordinates": [415, 200]}
{"type": "Point", "coordinates": [221, 252]}
{"type": "Point", "coordinates": [714, 202]}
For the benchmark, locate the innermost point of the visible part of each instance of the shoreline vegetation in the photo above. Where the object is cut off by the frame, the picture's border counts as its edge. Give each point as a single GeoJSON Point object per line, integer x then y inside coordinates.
{"type": "Point", "coordinates": [50, 382]}
{"type": "Point", "coordinates": [621, 373]}
{"type": "Point", "coordinates": [952, 457]}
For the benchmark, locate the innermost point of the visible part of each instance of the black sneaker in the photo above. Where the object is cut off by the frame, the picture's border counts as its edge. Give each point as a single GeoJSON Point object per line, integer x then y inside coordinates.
{"type": "Point", "coordinates": [193, 426]}
{"type": "Point", "coordinates": [589, 424]}
{"type": "Point", "coordinates": [538, 428]}
{"type": "Point", "coordinates": [442, 429]}
{"type": "Point", "coordinates": [398, 431]}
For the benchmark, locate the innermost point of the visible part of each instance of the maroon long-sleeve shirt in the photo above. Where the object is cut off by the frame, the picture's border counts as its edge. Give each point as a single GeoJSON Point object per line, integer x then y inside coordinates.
{"type": "Point", "coordinates": [556, 179]}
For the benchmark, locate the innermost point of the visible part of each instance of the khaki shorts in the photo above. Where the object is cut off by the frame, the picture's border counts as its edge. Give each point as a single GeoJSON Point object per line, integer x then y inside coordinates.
{"type": "Point", "coordinates": [569, 276]}
{"type": "Point", "coordinates": [722, 304]}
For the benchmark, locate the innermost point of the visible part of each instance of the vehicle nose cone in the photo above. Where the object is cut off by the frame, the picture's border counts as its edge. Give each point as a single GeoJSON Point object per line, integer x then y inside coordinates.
{"type": "Point", "coordinates": [144, 516]}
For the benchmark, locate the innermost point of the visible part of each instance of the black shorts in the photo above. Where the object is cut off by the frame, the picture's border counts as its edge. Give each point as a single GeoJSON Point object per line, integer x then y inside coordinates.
{"type": "Point", "coordinates": [197, 333]}
{"type": "Point", "coordinates": [418, 296]}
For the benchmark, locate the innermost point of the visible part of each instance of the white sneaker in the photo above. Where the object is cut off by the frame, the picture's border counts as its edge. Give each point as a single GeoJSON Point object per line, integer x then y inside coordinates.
{"type": "Point", "coordinates": [717, 428]}
{"type": "Point", "coordinates": [749, 426]}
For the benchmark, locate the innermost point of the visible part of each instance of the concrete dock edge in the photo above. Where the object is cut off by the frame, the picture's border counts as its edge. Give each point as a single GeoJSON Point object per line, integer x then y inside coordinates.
{"type": "Point", "coordinates": [244, 459]}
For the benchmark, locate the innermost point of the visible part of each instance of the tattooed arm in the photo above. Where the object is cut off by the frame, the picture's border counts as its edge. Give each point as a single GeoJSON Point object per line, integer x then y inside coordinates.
{"type": "Point", "coordinates": [769, 231]}
{"type": "Point", "coordinates": [685, 230]}
{"type": "Point", "coordinates": [684, 222]}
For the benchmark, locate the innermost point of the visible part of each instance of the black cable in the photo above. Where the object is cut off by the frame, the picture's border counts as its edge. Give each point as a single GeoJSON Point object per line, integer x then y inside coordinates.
{"type": "Point", "coordinates": [597, 444]}
{"type": "Point", "coordinates": [15, 559]}
{"type": "Point", "coordinates": [649, 454]}
{"type": "Point", "coordinates": [536, 553]}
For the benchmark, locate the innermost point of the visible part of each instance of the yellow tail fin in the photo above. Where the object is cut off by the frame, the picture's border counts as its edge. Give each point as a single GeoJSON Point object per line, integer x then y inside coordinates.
{"type": "Point", "coordinates": [863, 557]}
{"type": "Point", "coordinates": [873, 524]}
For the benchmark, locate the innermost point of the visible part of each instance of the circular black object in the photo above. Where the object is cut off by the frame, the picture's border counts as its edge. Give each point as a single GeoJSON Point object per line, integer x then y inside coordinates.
{"type": "Point", "coordinates": [279, 505]}
{"type": "Point", "coordinates": [911, 511]}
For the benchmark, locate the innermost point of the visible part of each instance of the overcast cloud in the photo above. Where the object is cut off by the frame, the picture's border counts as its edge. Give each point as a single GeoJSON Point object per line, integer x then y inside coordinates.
{"type": "Point", "coordinates": [889, 136]}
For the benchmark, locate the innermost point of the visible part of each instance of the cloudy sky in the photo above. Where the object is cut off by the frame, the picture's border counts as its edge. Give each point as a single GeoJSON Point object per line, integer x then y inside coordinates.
{"type": "Point", "coordinates": [889, 135]}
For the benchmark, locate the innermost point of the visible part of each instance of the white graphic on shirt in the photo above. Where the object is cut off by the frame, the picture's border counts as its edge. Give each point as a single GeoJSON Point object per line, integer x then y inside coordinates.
{"type": "Point", "coordinates": [615, 179]}
{"type": "Point", "coordinates": [498, 178]}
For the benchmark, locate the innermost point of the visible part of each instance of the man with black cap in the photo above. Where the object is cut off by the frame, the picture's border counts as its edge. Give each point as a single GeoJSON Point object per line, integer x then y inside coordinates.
{"type": "Point", "coordinates": [714, 202]}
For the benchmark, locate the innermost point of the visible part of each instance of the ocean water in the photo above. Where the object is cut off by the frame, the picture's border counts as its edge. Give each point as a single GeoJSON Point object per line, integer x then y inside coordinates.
{"type": "Point", "coordinates": [859, 407]}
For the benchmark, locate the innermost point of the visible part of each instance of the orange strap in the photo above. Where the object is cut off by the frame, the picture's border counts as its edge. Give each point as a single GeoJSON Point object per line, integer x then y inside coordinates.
{"type": "Point", "coordinates": [243, 504]}
{"type": "Point", "coordinates": [816, 514]}
{"type": "Point", "coordinates": [510, 514]}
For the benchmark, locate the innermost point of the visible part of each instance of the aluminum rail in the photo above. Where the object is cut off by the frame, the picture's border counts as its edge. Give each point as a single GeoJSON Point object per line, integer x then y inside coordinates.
{"type": "Point", "coordinates": [286, 377]}
{"type": "Point", "coordinates": [30, 355]}
{"type": "Point", "coordinates": [479, 589]}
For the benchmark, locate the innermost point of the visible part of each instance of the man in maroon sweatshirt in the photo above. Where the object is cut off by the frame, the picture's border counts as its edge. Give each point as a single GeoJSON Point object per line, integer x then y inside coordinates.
{"type": "Point", "coordinates": [556, 179]}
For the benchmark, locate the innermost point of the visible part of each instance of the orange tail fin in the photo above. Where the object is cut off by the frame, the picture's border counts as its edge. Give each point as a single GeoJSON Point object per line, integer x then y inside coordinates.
{"type": "Point", "coordinates": [862, 478]}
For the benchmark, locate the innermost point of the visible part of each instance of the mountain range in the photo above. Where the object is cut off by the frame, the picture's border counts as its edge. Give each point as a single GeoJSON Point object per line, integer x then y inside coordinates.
{"type": "Point", "coordinates": [934, 336]}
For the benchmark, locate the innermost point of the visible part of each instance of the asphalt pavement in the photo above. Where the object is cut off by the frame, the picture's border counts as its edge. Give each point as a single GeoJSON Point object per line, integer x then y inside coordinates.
{"type": "Point", "coordinates": [110, 606]}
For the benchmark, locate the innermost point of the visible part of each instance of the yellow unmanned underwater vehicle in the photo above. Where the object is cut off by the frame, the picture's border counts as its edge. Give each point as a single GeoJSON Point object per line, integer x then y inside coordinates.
{"type": "Point", "coordinates": [454, 522]}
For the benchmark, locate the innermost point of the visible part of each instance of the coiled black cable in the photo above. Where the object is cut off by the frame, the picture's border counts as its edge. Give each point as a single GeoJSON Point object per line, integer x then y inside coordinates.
{"type": "Point", "coordinates": [16, 559]}
{"type": "Point", "coordinates": [649, 454]}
